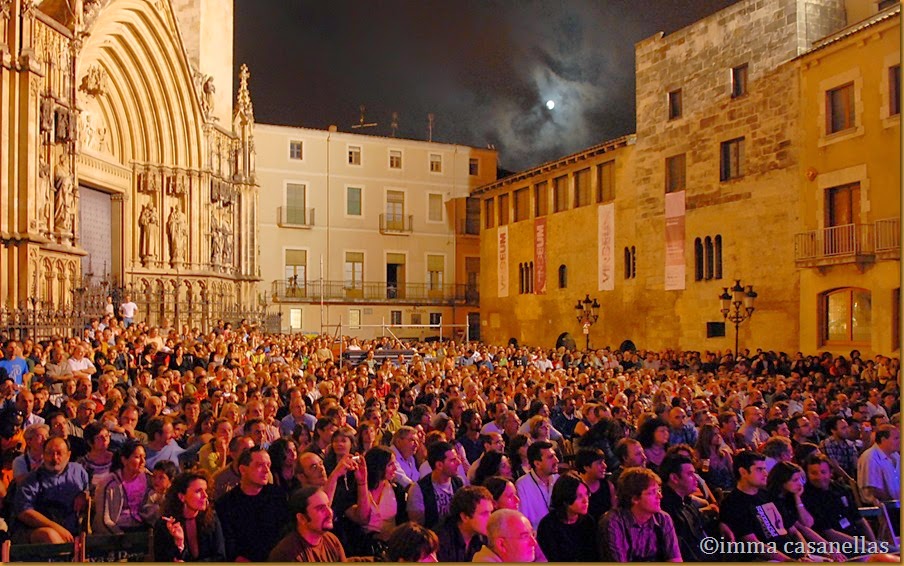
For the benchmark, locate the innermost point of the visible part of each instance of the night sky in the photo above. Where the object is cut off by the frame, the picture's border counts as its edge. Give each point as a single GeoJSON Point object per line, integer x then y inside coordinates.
{"type": "Point", "coordinates": [485, 68]}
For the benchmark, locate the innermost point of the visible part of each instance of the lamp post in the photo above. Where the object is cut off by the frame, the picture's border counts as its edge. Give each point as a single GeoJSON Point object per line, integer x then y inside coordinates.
{"type": "Point", "coordinates": [587, 313]}
{"type": "Point", "coordinates": [737, 306]}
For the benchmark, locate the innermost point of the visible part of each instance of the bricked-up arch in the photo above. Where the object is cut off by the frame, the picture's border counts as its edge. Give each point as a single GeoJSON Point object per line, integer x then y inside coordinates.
{"type": "Point", "coordinates": [151, 105]}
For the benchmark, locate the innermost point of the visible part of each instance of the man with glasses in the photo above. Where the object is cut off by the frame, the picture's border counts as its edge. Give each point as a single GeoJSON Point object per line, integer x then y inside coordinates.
{"type": "Point", "coordinates": [404, 446]}
{"type": "Point", "coordinates": [511, 538]}
{"type": "Point", "coordinates": [492, 442]}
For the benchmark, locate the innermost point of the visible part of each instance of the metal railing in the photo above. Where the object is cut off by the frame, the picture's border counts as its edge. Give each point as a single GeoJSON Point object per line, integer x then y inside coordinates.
{"type": "Point", "coordinates": [396, 223]}
{"type": "Point", "coordinates": [374, 292]}
{"type": "Point", "coordinates": [295, 216]}
{"type": "Point", "coordinates": [888, 235]}
{"type": "Point", "coordinates": [836, 241]}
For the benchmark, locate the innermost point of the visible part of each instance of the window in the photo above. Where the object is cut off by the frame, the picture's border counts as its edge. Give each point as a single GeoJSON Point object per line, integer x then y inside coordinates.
{"type": "Point", "coordinates": [560, 193]}
{"type": "Point", "coordinates": [473, 167]}
{"type": "Point", "coordinates": [296, 150]}
{"type": "Point", "coordinates": [395, 317]}
{"type": "Point", "coordinates": [295, 204]}
{"type": "Point", "coordinates": [715, 329]}
{"type": "Point", "coordinates": [563, 277]}
{"type": "Point", "coordinates": [739, 81]}
{"type": "Point", "coordinates": [605, 181]}
{"type": "Point", "coordinates": [436, 163]}
{"type": "Point", "coordinates": [354, 270]}
{"type": "Point", "coordinates": [894, 90]}
{"type": "Point", "coordinates": [395, 159]}
{"type": "Point", "coordinates": [395, 210]}
{"type": "Point", "coordinates": [435, 268]}
{"type": "Point", "coordinates": [503, 209]}
{"type": "Point", "coordinates": [732, 159]}
{"type": "Point", "coordinates": [582, 188]}
{"type": "Point", "coordinates": [541, 199]}
{"type": "Point", "coordinates": [353, 201]}
{"type": "Point", "coordinates": [435, 207]}
{"type": "Point", "coordinates": [294, 318]}
{"type": "Point", "coordinates": [489, 213]}
{"type": "Point", "coordinates": [840, 108]}
{"type": "Point", "coordinates": [472, 216]}
{"type": "Point", "coordinates": [675, 104]}
{"type": "Point", "coordinates": [708, 258]}
{"type": "Point", "coordinates": [354, 318]}
{"type": "Point", "coordinates": [698, 259]}
{"type": "Point", "coordinates": [846, 316]}
{"type": "Point", "coordinates": [415, 318]}
{"type": "Point", "coordinates": [436, 318]}
{"type": "Point", "coordinates": [630, 262]}
{"type": "Point", "coordinates": [522, 204]}
{"type": "Point", "coordinates": [675, 173]}
{"type": "Point", "coordinates": [883, 4]}
{"type": "Point", "coordinates": [526, 278]}
{"type": "Point", "coordinates": [354, 155]}
{"type": "Point", "coordinates": [296, 272]}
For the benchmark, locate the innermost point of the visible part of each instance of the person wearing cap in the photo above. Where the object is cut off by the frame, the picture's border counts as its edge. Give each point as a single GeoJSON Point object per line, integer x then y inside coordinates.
{"type": "Point", "coordinates": [311, 539]}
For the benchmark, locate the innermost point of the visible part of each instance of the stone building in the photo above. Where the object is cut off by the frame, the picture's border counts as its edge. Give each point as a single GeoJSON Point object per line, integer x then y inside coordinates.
{"type": "Point", "coordinates": [363, 230]}
{"type": "Point", "coordinates": [124, 164]}
{"type": "Point", "coordinates": [708, 193]}
{"type": "Point", "coordinates": [849, 248]}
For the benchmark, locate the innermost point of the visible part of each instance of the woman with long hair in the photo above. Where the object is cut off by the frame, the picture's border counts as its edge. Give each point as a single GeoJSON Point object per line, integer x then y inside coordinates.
{"type": "Point", "coordinates": [785, 486]}
{"type": "Point", "coordinates": [517, 453]}
{"type": "Point", "coordinates": [715, 457]}
{"type": "Point", "coordinates": [188, 530]}
{"type": "Point", "coordinates": [283, 456]}
{"type": "Point", "coordinates": [367, 437]}
{"type": "Point", "coordinates": [118, 499]}
{"type": "Point", "coordinates": [505, 496]}
{"type": "Point", "coordinates": [99, 458]}
{"type": "Point", "coordinates": [212, 456]}
{"type": "Point", "coordinates": [653, 435]}
{"type": "Point", "coordinates": [492, 464]}
{"type": "Point", "coordinates": [567, 533]}
{"type": "Point", "coordinates": [342, 443]}
{"type": "Point", "coordinates": [385, 500]}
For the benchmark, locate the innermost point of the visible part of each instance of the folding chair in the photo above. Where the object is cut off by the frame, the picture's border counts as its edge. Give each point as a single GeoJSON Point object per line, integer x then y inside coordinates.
{"type": "Point", "coordinates": [127, 547]}
{"type": "Point", "coordinates": [45, 552]}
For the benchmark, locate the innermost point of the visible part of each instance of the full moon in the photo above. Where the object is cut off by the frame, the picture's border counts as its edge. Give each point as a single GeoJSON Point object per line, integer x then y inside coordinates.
{"type": "Point", "coordinates": [550, 104]}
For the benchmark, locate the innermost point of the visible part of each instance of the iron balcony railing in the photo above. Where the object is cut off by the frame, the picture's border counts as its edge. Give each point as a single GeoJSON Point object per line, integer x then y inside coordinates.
{"type": "Point", "coordinates": [888, 235]}
{"type": "Point", "coordinates": [836, 241]}
{"type": "Point", "coordinates": [296, 216]}
{"type": "Point", "coordinates": [373, 292]}
{"type": "Point", "coordinates": [396, 223]}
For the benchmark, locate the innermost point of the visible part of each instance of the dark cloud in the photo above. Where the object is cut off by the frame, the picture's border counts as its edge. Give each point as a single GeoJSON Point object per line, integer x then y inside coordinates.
{"type": "Point", "coordinates": [484, 68]}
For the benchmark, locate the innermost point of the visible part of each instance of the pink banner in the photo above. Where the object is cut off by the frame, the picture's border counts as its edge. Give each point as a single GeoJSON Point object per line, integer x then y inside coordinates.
{"type": "Point", "coordinates": [540, 256]}
{"type": "Point", "coordinates": [674, 241]}
{"type": "Point", "coordinates": [606, 247]}
{"type": "Point", "coordinates": [503, 263]}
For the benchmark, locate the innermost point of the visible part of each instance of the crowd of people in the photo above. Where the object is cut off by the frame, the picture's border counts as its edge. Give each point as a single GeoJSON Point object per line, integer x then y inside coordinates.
{"type": "Point", "coordinates": [238, 445]}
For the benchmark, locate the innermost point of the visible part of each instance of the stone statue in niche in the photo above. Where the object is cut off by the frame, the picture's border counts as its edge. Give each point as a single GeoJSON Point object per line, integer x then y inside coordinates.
{"type": "Point", "coordinates": [227, 242]}
{"type": "Point", "coordinates": [94, 83]}
{"type": "Point", "coordinates": [62, 204]}
{"type": "Point", "coordinates": [177, 231]}
{"type": "Point", "coordinates": [46, 115]}
{"type": "Point", "coordinates": [149, 233]}
{"type": "Point", "coordinates": [63, 133]}
{"type": "Point", "coordinates": [208, 90]}
{"type": "Point", "coordinates": [214, 242]}
{"type": "Point", "coordinates": [45, 184]}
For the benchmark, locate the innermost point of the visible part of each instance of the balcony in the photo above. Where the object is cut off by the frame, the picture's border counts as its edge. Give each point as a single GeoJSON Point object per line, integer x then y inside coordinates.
{"type": "Point", "coordinates": [396, 223]}
{"type": "Point", "coordinates": [295, 217]}
{"type": "Point", "coordinates": [374, 292]}
{"type": "Point", "coordinates": [849, 243]}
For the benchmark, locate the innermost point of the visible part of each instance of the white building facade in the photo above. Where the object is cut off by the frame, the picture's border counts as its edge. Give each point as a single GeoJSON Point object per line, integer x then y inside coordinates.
{"type": "Point", "coordinates": [359, 232]}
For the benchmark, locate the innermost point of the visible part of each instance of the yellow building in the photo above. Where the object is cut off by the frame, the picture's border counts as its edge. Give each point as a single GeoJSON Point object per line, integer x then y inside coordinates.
{"type": "Point", "coordinates": [849, 248]}
{"type": "Point", "coordinates": [707, 192]}
{"type": "Point", "coordinates": [122, 166]}
{"type": "Point", "coordinates": [361, 231]}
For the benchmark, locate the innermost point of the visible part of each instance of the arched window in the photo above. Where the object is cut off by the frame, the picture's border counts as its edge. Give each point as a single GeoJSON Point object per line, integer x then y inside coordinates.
{"type": "Point", "coordinates": [530, 277]}
{"type": "Point", "coordinates": [520, 278]}
{"type": "Point", "coordinates": [633, 262]}
{"type": "Point", "coordinates": [563, 277]}
{"type": "Point", "coordinates": [627, 262]}
{"type": "Point", "coordinates": [846, 316]}
{"type": "Point", "coordinates": [708, 249]}
{"type": "Point", "coordinates": [717, 272]}
{"type": "Point", "coordinates": [698, 259]}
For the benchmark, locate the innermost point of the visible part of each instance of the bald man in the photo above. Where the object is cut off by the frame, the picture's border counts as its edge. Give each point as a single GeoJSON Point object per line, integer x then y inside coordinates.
{"type": "Point", "coordinates": [511, 538]}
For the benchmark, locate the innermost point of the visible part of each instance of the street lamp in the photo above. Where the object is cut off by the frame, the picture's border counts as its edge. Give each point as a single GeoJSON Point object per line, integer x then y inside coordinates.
{"type": "Point", "coordinates": [587, 313]}
{"type": "Point", "coordinates": [737, 306]}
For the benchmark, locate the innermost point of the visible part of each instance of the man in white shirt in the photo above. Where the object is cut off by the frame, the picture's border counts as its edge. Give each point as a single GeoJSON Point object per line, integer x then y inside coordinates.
{"type": "Point", "coordinates": [127, 310]}
{"type": "Point", "coordinates": [879, 467]}
{"type": "Point", "coordinates": [404, 445]}
{"type": "Point", "coordinates": [535, 488]}
{"type": "Point", "coordinates": [79, 364]}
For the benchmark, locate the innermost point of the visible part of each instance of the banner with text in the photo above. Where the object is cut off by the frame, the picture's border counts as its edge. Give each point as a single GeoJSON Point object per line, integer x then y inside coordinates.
{"type": "Point", "coordinates": [606, 247]}
{"type": "Point", "coordinates": [674, 241]}
{"type": "Point", "coordinates": [503, 257]}
{"type": "Point", "coordinates": [540, 256]}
